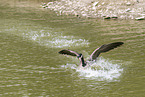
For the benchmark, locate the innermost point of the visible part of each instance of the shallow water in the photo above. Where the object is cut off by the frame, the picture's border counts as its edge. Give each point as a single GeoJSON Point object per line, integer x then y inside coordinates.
{"type": "Point", "coordinates": [30, 38]}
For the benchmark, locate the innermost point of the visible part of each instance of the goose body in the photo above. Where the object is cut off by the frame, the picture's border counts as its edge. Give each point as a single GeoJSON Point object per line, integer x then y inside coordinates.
{"type": "Point", "coordinates": [94, 55]}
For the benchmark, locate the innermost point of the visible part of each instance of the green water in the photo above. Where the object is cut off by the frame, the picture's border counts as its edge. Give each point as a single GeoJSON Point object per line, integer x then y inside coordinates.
{"type": "Point", "coordinates": [30, 66]}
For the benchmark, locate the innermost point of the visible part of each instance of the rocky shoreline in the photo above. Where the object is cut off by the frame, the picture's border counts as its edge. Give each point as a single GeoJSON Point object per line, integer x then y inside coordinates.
{"type": "Point", "coordinates": [106, 9]}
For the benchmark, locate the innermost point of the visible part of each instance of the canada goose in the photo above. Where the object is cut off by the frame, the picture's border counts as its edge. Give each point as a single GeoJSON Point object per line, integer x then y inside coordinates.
{"type": "Point", "coordinates": [94, 55]}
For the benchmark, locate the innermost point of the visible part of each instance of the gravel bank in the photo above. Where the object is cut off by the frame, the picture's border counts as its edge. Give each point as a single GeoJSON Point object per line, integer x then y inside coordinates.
{"type": "Point", "coordinates": [106, 9]}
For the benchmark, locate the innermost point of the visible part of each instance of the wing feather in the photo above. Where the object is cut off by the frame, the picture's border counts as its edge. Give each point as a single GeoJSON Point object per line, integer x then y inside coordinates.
{"type": "Point", "coordinates": [68, 52]}
{"type": "Point", "coordinates": [104, 48]}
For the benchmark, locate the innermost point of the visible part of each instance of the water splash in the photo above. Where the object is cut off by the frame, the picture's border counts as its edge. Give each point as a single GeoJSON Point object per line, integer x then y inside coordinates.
{"type": "Point", "coordinates": [55, 39]}
{"type": "Point", "coordinates": [102, 70]}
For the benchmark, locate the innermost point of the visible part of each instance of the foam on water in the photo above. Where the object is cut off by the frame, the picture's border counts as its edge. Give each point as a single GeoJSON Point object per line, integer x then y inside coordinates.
{"type": "Point", "coordinates": [102, 70]}
{"type": "Point", "coordinates": [55, 39]}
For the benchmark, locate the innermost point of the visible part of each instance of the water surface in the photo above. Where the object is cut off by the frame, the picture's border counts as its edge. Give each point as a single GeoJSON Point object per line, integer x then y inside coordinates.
{"type": "Point", "coordinates": [30, 38]}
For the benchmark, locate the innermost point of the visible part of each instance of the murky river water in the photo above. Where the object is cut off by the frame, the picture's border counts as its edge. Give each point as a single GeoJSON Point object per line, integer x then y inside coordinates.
{"type": "Point", "coordinates": [30, 66]}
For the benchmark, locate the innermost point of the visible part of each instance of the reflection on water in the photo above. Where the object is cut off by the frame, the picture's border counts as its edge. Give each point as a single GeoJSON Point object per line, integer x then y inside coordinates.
{"type": "Point", "coordinates": [102, 70]}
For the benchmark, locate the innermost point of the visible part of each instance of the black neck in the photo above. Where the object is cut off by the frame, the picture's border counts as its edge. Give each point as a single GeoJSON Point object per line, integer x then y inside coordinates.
{"type": "Point", "coordinates": [83, 62]}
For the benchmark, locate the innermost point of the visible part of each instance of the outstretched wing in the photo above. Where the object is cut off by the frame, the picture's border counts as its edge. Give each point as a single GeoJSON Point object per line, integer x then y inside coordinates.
{"type": "Point", "coordinates": [68, 52]}
{"type": "Point", "coordinates": [104, 48]}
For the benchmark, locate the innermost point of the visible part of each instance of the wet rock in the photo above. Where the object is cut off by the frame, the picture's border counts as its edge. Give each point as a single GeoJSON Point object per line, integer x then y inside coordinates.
{"type": "Point", "coordinates": [140, 18]}
{"type": "Point", "coordinates": [95, 3]}
{"type": "Point", "coordinates": [128, 10]}
{"type": "Point", "coordinates": [107, 17]}
{"type": "Point", "coordinates": [128, 3]}
{"type": "Point", "coordinates": [114, 17]}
